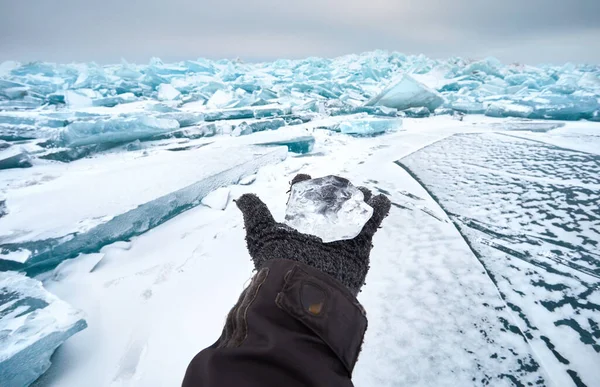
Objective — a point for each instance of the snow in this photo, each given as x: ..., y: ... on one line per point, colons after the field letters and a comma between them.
x: 485, y: 271
x: 430, y: 302
x: 328, y: 207
x: 217, y: 199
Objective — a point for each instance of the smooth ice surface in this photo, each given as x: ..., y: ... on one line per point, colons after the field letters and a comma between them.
x: 406, y: 93
x: 33, y: 323
x: 328, y: 207
x: 531, y: 213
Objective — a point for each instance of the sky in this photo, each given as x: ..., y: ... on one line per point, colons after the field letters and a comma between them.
x: 105, y: 31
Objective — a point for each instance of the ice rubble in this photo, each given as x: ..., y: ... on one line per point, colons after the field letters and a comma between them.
x: 120, y: 103
x: 126, y: 200
x: 33, y: 323
x: 328, y: 207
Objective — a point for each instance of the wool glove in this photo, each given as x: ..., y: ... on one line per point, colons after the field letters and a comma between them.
x: 347, y: 261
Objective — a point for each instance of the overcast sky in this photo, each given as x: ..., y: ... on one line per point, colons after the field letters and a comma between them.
x: 528, y: 31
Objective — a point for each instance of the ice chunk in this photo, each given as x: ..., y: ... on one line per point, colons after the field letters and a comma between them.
x: 228, y: 114
x: 302, y: 145
x: 530, y: 126
x: 14, y: 158
x: 555, y: 107
x: 370, y: 126
x: 76, y: 99
x: 370, y: 110
x: 247, y: 180
x: 329, y: 207
x: 266, y: 112
x: 166, y: 92
x: 221, y: 99
x: 406, y: 93
x: 130, y: 196
x: 468, y: 107
x: 421, y: 112
x: 115, y: 130
x: 217, y: 199
x: 508, y: 109
x: 258, y: 126
x: 33, y: 323
x: 114, y: 100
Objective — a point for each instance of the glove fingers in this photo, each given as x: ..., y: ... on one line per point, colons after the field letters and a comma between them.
x: 366, y: 192
x: 381, y: 207
x: 256, y: 213
x: 300, y: 177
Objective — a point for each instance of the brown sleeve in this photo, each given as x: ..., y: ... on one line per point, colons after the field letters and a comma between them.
x: 292, y: 326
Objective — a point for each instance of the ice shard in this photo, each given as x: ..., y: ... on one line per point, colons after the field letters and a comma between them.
x: 167, y: 92
x: 405, y: 93
x: 370, y: 126
x: 130, y: 195
x: 328, y: 207
x: 114, y: 130
x: 301, y: 145
x: 33, y: 323
x: 14, y: 158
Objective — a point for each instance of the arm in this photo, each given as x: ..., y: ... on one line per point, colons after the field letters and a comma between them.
x: 298, y: 323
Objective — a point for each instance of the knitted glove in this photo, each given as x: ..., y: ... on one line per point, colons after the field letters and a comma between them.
x: 347, y: 261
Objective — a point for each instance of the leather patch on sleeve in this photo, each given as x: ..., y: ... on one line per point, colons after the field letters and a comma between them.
x: 331, y: 314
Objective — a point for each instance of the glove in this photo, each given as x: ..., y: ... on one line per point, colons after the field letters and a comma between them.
x: 347, y: 261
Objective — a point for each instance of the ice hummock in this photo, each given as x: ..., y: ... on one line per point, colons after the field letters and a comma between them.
x: 405, y: 93
x: 33, y: 323
x: 329, y: 207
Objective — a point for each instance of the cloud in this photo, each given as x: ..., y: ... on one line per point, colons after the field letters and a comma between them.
x: 75, y: 30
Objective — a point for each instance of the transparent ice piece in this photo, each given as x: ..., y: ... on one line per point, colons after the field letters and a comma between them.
x: 329, y: 207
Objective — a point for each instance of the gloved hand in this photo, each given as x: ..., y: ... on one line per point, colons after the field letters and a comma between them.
x: 347, y: 260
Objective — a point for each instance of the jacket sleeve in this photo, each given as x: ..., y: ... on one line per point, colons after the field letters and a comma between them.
x: 292, y: 326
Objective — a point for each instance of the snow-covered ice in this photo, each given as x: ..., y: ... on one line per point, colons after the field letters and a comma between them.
x: 485, y: 272
x: 328, y: 207
x: 217, y: 199
x: 33, y: 323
